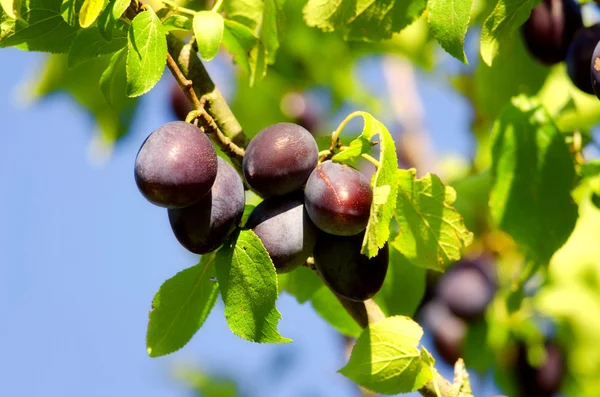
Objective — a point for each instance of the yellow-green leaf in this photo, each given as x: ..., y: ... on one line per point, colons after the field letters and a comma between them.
x: 431, y: 232
x: 208, y: 29
x: 386, y: 358
x: 90, y: 10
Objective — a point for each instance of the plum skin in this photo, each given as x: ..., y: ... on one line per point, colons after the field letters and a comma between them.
x: 286, y: 231
x: 203, y: 227
x: 579, y: 57
x: 338, y: 199
x: 550, y: 29
x: 595, y: 70
x: 544, y: 381
x: 345, y: 270
x: 176, y: 165
x: 467, y: 289
x: 279, y: 159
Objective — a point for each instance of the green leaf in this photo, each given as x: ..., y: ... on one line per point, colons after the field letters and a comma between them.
x: 69, y: 10
x: 556, y: 94
x: 109, y: 17
x: 248, y: 284
x: 449, y: 20
x: 431, y: 232
x: 11, y: 7
x: 477, y: 352
x: 507, y: 16
x: 386, y: 358
x: 532, y: 176
x: 177, y: 22
x: 269, y: 31
x: 258, y: 63
x: 327, y: 15
x: 263, y: 18
x: 239, y: 41
x: 363, y: 20
x: 384, y: 184
x: 328, y: 306
x: 119, y: 8
x: 180, y: 307
x: 90, y: 11
x: 146, y: 53
x: 357, y: 148
x: 41, y: 28
x: 114, y: 78
x: 403, y: 288
x: 590, y: 168
x: 90, y: 44
x: 208, y: 29
x: 514, y: 72
x: 301, y: 283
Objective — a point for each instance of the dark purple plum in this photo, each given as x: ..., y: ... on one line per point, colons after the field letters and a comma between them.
x: 345, y: 270
x: 579, y: 57
x: 176, y: 165
x: 447, y: 331
x: 204, y: 226
x: 180, y: 105
x: 544, y: 381
x: 550, y: 29
x: 467, y: 289
x: 280, y: 159
x: 595, y: 70
x: 285, y: 230
x: 302, y: 110
x: 338, y: 199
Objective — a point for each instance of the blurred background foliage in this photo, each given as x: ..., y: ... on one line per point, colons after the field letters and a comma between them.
x: 317, y: 79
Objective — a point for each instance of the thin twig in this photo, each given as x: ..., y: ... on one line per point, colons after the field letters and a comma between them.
x: 186, y: 85
x: 227, y: 145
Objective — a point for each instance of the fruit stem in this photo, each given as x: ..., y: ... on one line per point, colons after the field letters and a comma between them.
x: 336, y: 134
x: 176, y: 7
x: 217, y: 6
x: 371, y: 159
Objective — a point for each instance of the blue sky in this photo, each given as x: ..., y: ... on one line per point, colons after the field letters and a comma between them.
x: 82, y: 254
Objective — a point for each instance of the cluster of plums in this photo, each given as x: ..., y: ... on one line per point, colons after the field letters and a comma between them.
x: 555, y: 32
x: 309, y: 209
x: 459, y: 299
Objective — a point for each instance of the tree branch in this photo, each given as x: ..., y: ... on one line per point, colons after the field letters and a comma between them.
x: 209, y: 96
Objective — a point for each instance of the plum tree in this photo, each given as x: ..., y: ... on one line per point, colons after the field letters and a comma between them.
x: 204, y: 226
x: 176, y: 165
x: 280, y: 159
x: 285, y: 230
x: 543, y: 381
x: 550, y: 29
x: 579, y: 57
x: 338, y: 199
x: 467, y: 289
x: 345, y: 270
